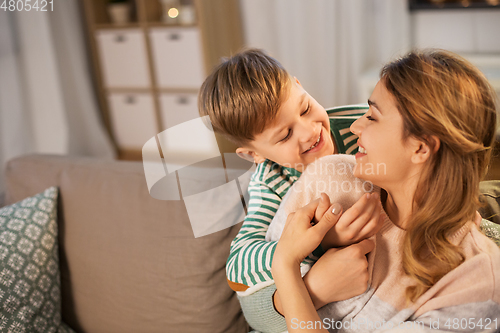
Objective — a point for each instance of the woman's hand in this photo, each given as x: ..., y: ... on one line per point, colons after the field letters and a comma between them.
x: 299, y: 237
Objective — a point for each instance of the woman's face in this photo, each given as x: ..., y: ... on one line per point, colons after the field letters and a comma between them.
x: 384, y: 158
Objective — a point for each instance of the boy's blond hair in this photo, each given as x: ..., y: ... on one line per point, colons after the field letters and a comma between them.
x: 243, y: 94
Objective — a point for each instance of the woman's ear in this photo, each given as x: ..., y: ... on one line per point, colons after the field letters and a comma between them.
x: 249, y: 155
x: 424, y: 149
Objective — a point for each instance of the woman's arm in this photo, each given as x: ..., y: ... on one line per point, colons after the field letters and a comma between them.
x: 298, y: 239
x: 299, y: 310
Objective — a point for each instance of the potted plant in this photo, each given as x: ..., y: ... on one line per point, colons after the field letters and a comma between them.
x: 119, y: 11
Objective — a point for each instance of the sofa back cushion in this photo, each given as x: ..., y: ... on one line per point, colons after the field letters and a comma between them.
x: 129, y: 263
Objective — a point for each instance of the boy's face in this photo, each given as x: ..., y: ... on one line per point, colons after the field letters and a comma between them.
x: 299, y: 135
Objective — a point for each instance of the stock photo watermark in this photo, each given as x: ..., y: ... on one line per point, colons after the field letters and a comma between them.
x: 27, y: 5
x: 410, y: 326
x: 184, y: 163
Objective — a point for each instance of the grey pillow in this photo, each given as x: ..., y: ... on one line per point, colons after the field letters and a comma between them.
x: 30, y: 288
x: 490, y: 191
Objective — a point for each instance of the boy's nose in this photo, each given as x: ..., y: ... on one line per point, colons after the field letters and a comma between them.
x: 309, y: 132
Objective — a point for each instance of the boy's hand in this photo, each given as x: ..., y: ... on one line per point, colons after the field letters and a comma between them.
x: 339, y: 274
x: 359, y: 222
x: 324, y: 204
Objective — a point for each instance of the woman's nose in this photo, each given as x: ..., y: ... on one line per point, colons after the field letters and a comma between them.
x: 357, y: 126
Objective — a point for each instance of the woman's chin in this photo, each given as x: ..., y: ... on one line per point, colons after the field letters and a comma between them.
x: 357, y: 172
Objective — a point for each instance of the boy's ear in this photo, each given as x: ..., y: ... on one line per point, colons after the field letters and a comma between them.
x: 249, y: 155
x: 423, y: 150
x: 297, y: 80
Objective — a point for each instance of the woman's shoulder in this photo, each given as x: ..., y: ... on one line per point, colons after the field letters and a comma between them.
x: 482, y: 258
x: 480, y: 240
x: 474, y: 282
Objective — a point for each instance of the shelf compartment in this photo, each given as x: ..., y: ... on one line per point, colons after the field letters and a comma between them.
x: 177, y: 57
x: 133, y: 119
x: 123, y: 58
x: 177, y: 108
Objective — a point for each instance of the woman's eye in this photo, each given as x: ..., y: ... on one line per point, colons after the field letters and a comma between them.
x: 306, y: 111
x: 287, y: 136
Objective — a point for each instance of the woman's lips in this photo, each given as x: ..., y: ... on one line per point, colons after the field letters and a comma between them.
x: 361, y: 151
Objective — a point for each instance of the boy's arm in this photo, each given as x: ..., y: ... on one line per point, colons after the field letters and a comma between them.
x: 250, y: 257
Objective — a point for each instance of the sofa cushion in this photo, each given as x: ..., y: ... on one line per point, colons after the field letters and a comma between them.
x: 491, y: 200
x: 129, y: 262
x: 30, y: 291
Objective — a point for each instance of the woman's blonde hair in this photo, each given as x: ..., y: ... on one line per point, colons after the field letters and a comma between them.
x: 443, y: 96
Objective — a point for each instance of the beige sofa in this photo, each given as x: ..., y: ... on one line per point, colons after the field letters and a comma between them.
x: 129, y: 263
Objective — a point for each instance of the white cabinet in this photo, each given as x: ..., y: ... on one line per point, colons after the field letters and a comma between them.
x: 133, y: 118
x: 149, y: 70
x: 177, y: 108
x: 177, y: 57
x: 123, y: 58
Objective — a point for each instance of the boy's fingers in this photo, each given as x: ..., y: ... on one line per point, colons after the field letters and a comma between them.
x: 324, y: 204
x: 375, y: 223
x: 365, y: 246
x: 354, y: 211
x: 360, y: 213
x: 307, y: 212
x: 369, y: 217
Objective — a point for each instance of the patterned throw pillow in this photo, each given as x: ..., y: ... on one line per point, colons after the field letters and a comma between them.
x: 492, y: 230
x: 30, y: 290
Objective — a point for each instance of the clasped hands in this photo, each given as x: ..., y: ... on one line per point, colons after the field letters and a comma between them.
x: 342, y: 272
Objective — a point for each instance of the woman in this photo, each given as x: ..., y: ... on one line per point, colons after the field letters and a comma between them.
x: 429, y: 267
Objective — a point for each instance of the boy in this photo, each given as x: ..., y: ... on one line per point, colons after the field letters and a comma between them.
x: 252, y: 100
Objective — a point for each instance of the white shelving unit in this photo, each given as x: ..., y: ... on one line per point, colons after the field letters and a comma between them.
x: 148, y: 71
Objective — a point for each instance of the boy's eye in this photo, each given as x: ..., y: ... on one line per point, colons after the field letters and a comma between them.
x: 306, y: 111
x: 287, y: 136
x: 370, y: 118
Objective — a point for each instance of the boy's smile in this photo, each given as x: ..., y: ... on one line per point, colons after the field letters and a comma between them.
x: 298, y: 136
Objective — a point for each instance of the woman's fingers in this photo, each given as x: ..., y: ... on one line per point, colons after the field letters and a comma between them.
x: 329, y: 219
x: 299, y: 238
